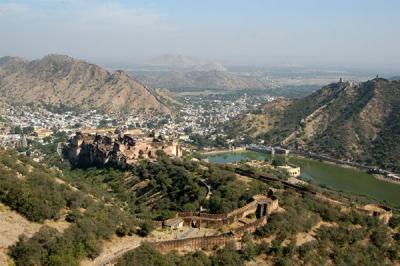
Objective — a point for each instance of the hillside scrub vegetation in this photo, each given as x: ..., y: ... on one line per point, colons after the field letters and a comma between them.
x: 33, y: 191
x: 100, y: 203
x: 159, y: 189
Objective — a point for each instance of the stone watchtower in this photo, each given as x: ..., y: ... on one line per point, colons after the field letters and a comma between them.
x: 262, y: 209
x: 23, y: 142
x: 176, y: 148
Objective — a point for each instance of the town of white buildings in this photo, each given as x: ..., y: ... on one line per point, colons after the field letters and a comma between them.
x: 198, y: 115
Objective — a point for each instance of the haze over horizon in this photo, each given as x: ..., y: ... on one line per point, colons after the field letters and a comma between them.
x: 360, y: 34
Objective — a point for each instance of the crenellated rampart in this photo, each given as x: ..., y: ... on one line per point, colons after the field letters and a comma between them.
x: 208, y: 220
x: 196, y: 243
x: 211, y: 242
x: 216, y: 220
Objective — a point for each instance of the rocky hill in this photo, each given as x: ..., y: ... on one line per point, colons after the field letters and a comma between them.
x: 59, y: 79
x: 213, y: 79
x: 359, y: 122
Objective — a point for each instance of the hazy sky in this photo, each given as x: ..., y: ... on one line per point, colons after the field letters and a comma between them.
x: 361, y: 33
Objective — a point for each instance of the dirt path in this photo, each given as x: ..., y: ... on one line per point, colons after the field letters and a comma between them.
x: 118, y: 246
x: 11, y: 226
x: 305, y: 237
x: 114, y: 249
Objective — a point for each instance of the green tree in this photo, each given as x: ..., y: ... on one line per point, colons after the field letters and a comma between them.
x: 146, y: 228
x: 227, y: 256
x: 279, y: 161
x: 16, y: 130
x: 28, y: 130
x: 146, y: 254
x: 249, y: 250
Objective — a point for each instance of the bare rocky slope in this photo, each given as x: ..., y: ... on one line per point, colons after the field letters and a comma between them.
x: 359, y: 122
x: 59, y: 79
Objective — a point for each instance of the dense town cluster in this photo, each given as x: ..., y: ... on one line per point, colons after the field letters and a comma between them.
x: 25, y: 116
x: 202, y: 114
x: 199, y: 115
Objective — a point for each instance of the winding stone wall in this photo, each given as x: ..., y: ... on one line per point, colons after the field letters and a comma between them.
x: 211, y: 242
x: 208, y: 220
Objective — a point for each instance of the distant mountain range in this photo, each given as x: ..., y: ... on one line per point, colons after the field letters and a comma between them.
x: 59, y: 79
x: 180, y: 72
x: 190, y: 74
x: 360, y: 122
x: 213, y: 79
x: 183, y: 62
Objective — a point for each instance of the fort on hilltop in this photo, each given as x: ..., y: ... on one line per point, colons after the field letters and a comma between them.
x: 85, y: 149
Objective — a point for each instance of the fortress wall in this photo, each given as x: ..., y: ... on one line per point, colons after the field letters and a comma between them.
x: 202, y: 215
x: 251, y: 227
x: 216, y: 220
x: 204, y: 222
x: 273, y: 206
x: 245, y: 209
x: 196, y: 243
x: 211, y: 242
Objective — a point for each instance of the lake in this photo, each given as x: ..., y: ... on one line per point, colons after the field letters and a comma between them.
x: 331, y: 175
